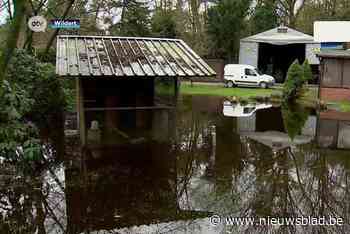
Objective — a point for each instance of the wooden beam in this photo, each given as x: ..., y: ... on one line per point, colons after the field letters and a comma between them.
x: 129, y: 108
x: 81, y: 111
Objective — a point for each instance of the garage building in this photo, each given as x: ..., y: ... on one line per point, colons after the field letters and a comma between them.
x: 274, y: 51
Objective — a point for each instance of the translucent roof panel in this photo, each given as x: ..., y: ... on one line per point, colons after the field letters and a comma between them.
x: 100, y: 56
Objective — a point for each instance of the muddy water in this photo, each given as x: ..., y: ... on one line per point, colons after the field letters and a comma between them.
x: 209, y: 157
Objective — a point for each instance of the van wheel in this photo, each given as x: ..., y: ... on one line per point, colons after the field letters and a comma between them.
x: 230, y: 84
x: 263, y: 85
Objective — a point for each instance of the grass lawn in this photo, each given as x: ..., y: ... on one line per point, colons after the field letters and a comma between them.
x: 343, y: 106
x: 216, y: 90
x: 309, y: 98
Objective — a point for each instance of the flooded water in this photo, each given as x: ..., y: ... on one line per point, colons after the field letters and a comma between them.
x: 209, y: 158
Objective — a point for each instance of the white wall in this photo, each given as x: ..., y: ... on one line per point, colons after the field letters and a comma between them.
x: 248, y: 53
x: 310, y: 53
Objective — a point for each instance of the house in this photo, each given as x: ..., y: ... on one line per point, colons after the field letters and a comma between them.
x: 116, y: 79
x: 274, y: 51
x: 335, y: 75
x: 333, y: 127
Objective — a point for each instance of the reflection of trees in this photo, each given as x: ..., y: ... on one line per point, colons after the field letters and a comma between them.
x: 207, y: 149
x: 250, y: 180
x: 300, y: 182
x: 324, y: 186
x: 32, y: 198
x: 194, y: 141
x: 294, y: 118
x: 295, y: 182
x: 229, y: 175
x: 30, y: 207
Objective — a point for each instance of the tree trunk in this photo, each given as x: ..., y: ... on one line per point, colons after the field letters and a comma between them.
x: 54, y: 34
x: 9, y: 9
x: 12, y: 37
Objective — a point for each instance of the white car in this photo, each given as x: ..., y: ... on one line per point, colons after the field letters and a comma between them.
x: 246, y: 75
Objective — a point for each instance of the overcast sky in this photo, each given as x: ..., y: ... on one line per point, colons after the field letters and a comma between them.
x: 2, y: 18
x: 3, y: 14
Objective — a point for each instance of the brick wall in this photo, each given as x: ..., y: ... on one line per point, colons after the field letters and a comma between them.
x: 335, y: 115
x: 334, y: 94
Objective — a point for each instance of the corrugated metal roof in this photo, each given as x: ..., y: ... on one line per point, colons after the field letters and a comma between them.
x: 80, y: 56
x: 277, y: 36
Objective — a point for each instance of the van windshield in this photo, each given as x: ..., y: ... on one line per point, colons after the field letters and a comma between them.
x: 259, y: 72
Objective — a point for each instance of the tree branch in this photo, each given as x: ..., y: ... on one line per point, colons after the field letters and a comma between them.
x: 53, y: 36
x: 12, y: 38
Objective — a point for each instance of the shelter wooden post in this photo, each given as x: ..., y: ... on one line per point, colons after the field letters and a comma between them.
x: 176, y: 90
x: 144, y: 96
x: 81, y: 111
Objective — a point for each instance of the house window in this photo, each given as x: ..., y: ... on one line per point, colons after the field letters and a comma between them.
x: 248, y: 110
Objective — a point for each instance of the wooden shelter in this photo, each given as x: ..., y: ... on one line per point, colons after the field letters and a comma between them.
x: 117, y: 76
x: 335, y: 75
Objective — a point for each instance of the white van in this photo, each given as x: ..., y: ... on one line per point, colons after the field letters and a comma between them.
x: 246, y: 75
x: 238, y: 110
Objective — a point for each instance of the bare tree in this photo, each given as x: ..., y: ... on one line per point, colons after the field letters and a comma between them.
x: 289, y: 10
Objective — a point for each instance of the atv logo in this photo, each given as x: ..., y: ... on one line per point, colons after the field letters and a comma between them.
x: 37, y: 24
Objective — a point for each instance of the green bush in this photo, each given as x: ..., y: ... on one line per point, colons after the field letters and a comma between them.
x: 40, y: 83
x: 163, y: 24
x: 307, y: 71
x: 31, y: 98
x: 18, y: 137
x: 297, y: 76
x: 294, y: 118
x: 46, y: 57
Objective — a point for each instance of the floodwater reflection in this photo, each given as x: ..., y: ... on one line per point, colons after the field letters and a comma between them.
x: 263, y: 165
x: 243, y: 110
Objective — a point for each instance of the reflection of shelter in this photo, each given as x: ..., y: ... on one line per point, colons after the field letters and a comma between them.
x: 266, y: 126
x: 275, y: 50
x: 271, y: 119
x: 333, y: 130
x: 335, y: 75
x: 117, y: 76
x: 124, y: 186
x: 277, y: 140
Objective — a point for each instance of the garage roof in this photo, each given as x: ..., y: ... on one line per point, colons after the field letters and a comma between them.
x: 280, y: 36
x: 94, y: 56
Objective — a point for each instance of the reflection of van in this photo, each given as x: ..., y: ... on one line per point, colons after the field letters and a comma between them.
x: 238, y: 110
x: 246, y: 75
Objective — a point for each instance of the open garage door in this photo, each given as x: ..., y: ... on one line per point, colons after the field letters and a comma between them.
x: 275, y: 59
